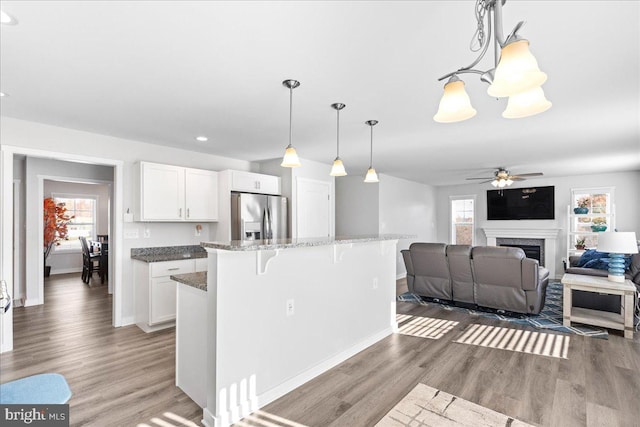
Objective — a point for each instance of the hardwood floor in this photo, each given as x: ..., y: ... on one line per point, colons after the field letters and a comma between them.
x: 124, y: 377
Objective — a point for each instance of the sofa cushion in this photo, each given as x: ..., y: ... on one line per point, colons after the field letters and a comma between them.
x: 431, y: 270
x: 459, y: 257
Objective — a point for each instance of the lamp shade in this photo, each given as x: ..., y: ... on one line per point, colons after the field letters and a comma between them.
x: 517, y: 71
x: 290, y: 159
x: 455, y: 105
x: 526, y: 104
x: 621, y: 242
x: 338, y: 168
x: 372, y: 176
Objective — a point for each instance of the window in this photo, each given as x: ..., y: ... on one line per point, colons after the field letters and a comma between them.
x: 462, y: 220
x: 83, y: 209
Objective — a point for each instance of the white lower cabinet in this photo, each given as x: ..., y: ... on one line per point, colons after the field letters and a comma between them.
x: 191, y: 343
x: 155, y: 292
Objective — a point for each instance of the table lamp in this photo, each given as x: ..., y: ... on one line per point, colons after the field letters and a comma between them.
x: 617, y: 244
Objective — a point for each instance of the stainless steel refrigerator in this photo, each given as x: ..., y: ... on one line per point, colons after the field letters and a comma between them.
x: 258, y: 217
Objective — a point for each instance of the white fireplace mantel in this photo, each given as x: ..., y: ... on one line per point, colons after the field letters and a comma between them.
x: 548, y: 234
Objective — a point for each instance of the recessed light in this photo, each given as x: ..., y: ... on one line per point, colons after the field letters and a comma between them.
x: 6, y: 19
x: 202, y: 138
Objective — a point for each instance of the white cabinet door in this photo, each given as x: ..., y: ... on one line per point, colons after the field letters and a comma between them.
x: 163, y: 300
x: 162, y: 192
x: 268, y: 184
x: 201, y: 195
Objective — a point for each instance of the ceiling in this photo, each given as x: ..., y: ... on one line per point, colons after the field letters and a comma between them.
x: 165, y: 72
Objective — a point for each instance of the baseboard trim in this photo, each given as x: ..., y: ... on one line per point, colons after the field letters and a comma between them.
x: 66, y: 270
x: 126, y: 321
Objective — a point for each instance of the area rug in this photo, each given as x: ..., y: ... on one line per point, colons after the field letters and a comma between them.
x: 549, y: 318
x: 425, y: 406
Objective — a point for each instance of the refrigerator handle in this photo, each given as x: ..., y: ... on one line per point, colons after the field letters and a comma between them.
x: 268, y: 230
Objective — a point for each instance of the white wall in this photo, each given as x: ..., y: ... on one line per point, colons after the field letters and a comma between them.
x: 357, y: 207
x: 406, y: 207
x: 627, y: 201
x: 68, y: 261
x: 393, y: 206
x: 33, y: 135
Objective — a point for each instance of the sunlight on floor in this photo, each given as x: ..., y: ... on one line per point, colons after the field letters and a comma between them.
x: 426, y: 327
x: 175, y: 421
x: 265, y: 419
x: 530, y: 342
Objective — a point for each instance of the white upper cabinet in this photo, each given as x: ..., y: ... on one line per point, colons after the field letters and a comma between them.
x: 201, y: 195
x: 255, y: 183
x: 172, y: 193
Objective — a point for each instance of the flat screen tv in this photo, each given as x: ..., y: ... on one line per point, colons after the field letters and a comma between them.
x: 521, y: 203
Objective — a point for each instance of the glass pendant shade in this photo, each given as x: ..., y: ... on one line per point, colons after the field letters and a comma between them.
x: 509, y: 182
x: 290, y: 159
x: 455, y: 105
x: 517, y: 71
x: 526, y: 104
x: 372, y: 176
x: 494, y: 182
x: 338, y: 168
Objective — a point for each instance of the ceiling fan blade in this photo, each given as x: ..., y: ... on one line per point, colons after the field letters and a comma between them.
x: 484, y: 182
x: 529, y: 174
x: 486, y: 177
x: 517, y: 178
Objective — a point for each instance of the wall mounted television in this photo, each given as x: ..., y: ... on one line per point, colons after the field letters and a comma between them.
x: 521, y: 203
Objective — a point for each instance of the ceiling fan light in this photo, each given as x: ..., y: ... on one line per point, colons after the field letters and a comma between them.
x: 526, y: 104
x: 502, y: 183
x: 371, y: 176
x: 338, y: 168
x: 509, y: 181
x: 290, y: 159
x: 494, y: 182
x: 517, y: 71
x: 455, y: 105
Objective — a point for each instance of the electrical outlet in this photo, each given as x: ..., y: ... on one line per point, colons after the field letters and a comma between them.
x: 131, y: 234
x: 375, y: 283
x: 147, y: 233
x: 290, y: 308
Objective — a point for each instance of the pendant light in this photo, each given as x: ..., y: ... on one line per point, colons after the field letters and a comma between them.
x: 455, y: 105
x: 372, y: 176
x: 338, y: 167
x: 290, y: 159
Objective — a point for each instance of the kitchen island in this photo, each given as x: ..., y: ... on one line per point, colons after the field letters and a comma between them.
x: 280, y: 312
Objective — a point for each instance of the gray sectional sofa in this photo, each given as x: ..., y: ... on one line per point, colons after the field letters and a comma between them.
x: 495, y: 277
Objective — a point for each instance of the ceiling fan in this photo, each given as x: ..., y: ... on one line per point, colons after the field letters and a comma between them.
x: 502, y: 178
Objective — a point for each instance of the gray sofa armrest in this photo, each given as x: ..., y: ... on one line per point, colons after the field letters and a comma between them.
x: 573, y: 260
x: 530, y: 276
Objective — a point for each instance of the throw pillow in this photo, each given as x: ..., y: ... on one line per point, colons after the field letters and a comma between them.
x: 589, y: 255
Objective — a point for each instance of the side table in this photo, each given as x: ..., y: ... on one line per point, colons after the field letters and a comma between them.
x: 622, y: 321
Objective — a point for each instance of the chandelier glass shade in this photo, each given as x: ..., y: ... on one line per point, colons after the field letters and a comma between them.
x: 455, y: 104
x: 515, y: 74
x: 290, y: 159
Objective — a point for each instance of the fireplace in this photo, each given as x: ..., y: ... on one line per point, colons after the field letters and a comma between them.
x: 545, y: 239
x: 530, y: 251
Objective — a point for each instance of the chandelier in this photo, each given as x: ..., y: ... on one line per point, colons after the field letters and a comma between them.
x: 515, y: 74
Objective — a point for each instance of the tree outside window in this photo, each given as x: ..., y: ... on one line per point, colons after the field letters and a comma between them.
x: 83, y: 209
x: 462, y: 220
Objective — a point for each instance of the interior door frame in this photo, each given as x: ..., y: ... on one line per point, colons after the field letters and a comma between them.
x: 7, y: 153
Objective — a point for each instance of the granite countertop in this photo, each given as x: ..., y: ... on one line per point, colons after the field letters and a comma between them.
x: 197, y: 280
x: 168, y: 253
x: 259, y: 245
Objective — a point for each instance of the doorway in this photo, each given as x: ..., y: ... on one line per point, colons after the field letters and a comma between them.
x: 7, y: 154
x: 313, y: 207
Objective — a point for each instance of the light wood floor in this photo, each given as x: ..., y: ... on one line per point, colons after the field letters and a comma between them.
x: 123, y: 377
